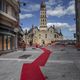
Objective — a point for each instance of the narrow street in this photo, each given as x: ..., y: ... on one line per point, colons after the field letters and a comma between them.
x: 63, y: 63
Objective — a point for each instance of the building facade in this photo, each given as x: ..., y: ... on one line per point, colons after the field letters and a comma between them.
x: 43, y: 35
x: 37, y: 36
x: 9, y: 24
x: 77, y: 9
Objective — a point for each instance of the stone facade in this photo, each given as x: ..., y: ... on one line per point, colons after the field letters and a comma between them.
x: 9, y: 23
x: 37, y: 36
x: 77, y: 8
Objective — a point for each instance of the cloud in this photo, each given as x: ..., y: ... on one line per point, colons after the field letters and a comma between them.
x: 54, y: 8
x: 71, y: 9
x: 36, y: 7
x: 31, y: 8
x: 73, y: 28
x: 23, y: 16
x: 60, y: 10
x: 59, y: 25
x: 25, y: 10
x: 26, y: 28
x: 54, y: 2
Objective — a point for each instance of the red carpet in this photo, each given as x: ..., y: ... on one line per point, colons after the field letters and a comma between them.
x: 42, y: 59
x: 32, y: 71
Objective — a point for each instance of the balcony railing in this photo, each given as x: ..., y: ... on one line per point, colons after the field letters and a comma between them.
x: 7, y: 15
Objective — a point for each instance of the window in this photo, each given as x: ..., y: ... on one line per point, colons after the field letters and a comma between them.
x: 9, y: 42
x: 3, y: 6
x: 5, y: 41
x: 39, y: 36
x: 55, y: 36
x: 6, y: 8
x: 9, y: 10
x: 14, y: 13
x: 0, y: 42
x: 45, y: 35
x: 12, y: 42
x: 51, y: 31
x: 0, y: 5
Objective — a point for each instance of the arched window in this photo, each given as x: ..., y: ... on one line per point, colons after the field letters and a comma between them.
x: 45, y: 35
x: 39, y: 36
x: 55, y: 36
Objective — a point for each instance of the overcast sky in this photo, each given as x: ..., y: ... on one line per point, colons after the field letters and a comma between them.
x: 60, y: 13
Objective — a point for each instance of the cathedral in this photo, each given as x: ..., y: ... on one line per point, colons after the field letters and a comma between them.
x: 43, y: 34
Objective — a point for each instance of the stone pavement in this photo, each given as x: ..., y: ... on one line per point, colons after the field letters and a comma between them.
x: 31, y: 54
x: 63, y: 64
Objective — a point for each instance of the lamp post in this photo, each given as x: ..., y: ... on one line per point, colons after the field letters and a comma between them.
x: 16, y: 30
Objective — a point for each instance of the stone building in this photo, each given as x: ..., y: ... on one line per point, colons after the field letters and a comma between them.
x: 9, y: 25
x: 77, y: 9
x: 43, y: 34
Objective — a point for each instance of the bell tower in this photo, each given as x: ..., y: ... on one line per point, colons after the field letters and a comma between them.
x: 43, y: 21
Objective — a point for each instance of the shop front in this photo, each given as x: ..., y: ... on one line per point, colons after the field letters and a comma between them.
x: 7, y: 40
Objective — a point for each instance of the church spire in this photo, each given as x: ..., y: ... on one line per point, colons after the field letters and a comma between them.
x: 61, y: 33
x: 43, y: 21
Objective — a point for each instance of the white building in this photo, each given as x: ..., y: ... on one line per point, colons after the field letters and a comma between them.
x: 43, y: 35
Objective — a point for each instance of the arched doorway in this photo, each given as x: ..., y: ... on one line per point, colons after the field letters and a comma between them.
x: 43, y: 42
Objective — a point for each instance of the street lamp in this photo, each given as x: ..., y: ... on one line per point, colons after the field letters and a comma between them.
x: 16, y: 30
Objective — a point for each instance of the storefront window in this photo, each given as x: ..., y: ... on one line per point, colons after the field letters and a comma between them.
x: 0, y: 5
x: 5, y: 41
x: 13, y: 42
x: 0, y: 42
x: 9, y: 42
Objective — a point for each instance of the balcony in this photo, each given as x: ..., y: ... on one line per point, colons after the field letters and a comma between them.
x: 5, y: 15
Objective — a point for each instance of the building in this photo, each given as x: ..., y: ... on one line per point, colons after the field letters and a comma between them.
x: 9, y: 25
x: 43, y: 20
x: 20, y: 38
x: 43, y: 35
x: 77, y: 9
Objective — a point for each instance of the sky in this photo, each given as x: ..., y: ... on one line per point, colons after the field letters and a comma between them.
x: 60, y: 13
